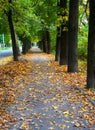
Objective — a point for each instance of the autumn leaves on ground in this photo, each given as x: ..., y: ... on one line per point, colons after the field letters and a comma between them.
x: 38, y: 94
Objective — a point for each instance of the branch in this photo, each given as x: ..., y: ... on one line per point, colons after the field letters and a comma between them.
x: 85, y: 12
x: 27, y: 19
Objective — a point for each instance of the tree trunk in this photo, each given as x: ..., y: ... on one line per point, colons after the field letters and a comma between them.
x: 57, y: 55
x: 13, y: 37
x: 58, y: 36
x: 91, y: 48
x: 64, y: 48
x: 64, y: 33
x: 44, y: 43
x: 48, y: 42
x: 17, y: 44
x: 26, y: 45
x: 72, y: 36
x: 40, y: 45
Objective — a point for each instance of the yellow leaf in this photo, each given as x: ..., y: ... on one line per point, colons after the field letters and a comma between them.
x: 66, y: 113
x: 62, y: 126
x: 25, y: 126
x: 77, y: 124
x: 50, y: 77
x: 55, y: 107
x: 21, y: 109
x: 83, y: 109
x: 1, y: 93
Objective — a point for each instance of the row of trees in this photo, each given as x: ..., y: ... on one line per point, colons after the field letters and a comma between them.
x: 42, y: 20
x: 67, y: 38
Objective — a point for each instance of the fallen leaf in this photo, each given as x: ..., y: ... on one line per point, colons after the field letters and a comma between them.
x: 66, y: 113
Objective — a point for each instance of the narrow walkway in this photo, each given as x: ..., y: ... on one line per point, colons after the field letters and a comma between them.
x: 44, y: 102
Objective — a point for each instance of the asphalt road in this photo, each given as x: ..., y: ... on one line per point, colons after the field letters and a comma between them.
x: 5, y: 53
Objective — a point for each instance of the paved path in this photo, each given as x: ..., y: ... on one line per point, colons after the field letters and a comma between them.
x: 44, y: 102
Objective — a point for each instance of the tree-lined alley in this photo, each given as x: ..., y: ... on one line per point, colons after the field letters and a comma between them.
x: 49, y: 84
x: 42, y: 20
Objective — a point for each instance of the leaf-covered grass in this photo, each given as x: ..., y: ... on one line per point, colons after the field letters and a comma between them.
x: 11, y: 74
x: 5, y: 60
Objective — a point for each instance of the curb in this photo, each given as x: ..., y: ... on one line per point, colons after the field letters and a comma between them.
x: 92, y: 101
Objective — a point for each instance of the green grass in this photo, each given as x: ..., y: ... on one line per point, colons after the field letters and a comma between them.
x: 5, y: 48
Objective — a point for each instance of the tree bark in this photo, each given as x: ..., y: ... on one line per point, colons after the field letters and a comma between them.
x: 48, y: 41
x: 40, y: 45
x: 91, y: 48
x: 17, y: 44
x: 44, y: 47
x: 13, y: 37
x: 26, y: 45
x: 64, y: 48
x: 58, y: 38
x: 72, y: 36
x: 64, y: 33
x: 44, y: 43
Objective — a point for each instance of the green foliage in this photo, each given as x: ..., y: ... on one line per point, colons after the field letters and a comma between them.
x: 83, y: 29
x: 53, y: 39
x: 6, y: 38
x: 31, y: 17
x: 4, y: 4
x: 5, y: 48
x: 82, y: 41
x: 3, y: 23
x: 62, y: 18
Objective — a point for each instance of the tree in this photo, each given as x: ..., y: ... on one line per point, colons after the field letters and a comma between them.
x: 12, y: 31
x: 6, y: 8
x: 58, y: 39
x: 26, y: 45
x: 47, y: 41
x: 45, y: 11
x: 23, y: 23
x: 58, y: 35
x: 91, y: 47
x: 64, y: 33
x: 72, y: 36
